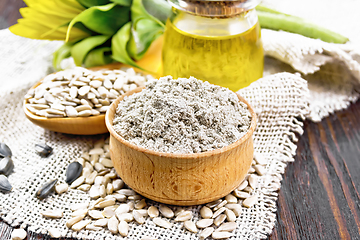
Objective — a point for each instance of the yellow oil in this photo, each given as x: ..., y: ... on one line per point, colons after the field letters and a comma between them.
x: 232, y: 61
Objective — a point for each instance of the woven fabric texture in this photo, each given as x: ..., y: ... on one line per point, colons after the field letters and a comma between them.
x: 332, y: 70
x: 280, y: 101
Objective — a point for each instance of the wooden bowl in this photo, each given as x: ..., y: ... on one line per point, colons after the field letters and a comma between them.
x: 181, y: 179
x: 78, y: 125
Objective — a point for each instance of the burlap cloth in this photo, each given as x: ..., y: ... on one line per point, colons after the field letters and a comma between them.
x: 282, y: 101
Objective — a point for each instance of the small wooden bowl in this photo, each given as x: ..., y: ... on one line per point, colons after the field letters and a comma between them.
x: 79, y: 125
x: 180, y: 179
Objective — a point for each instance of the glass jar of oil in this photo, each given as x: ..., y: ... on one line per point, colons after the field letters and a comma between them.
x: 215, y: 41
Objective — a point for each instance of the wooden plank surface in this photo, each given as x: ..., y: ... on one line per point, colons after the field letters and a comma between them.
x: 319, y: 196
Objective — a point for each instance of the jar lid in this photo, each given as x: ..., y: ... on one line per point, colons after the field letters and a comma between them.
x: 214, y: 8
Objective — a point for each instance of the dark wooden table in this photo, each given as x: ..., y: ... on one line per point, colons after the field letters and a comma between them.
x: 319, y: 196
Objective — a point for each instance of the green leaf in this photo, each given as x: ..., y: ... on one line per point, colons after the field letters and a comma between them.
x: 90, y: 3
x: 104, y: 20
x: 138, y: 11
x: 61, y: 53
x: 119, y: 44
x: 82, y: 48
x: 160, y: 9
x: 122, y: 2
x: 144, y: 32
x: 98, y: 57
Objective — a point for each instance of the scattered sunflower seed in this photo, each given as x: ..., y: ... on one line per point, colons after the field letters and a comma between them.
x: 43, y: 150
x: 6, y: 165
x: 206, y: 232
x: 18, y: 234
x: 189, y: 225
x: 5, y: 151
x: 73, y: 171
x: 46, y: 189
x: 54, y: 232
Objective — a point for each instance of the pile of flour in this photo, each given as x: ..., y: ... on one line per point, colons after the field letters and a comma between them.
x: 182, y: 116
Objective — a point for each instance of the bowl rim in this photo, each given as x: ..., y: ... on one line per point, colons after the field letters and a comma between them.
x: 113, y: 133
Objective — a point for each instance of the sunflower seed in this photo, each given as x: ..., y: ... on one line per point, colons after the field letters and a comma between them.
x: 206, y: 233
x: 227, y: 226
x: 77, y: 182
x: 118, y: 184
x: 140, y: 204
x: 123, y: 228
x: 99, y: 167
x: 18, y: 234
x: 74, y: 220
x: 109, y: 188
x: 190, y: 226
x: 127, y: 192
x: 6, y: 165
x: 80, y: 225
x: 213, y: 203
x: 260, y: 158
x: 46, y: 189
x: 119, y: 197
x: 96, y: 151
x: 106, y: 162
x: 108, y: 212
x: 251, y: 201
x: 43, y: 149
x: 219, y: 219
x: 79, y: 212
x: 94, y: 192
x: 92, y: 227
x: 220, y: 205
x: 253, y: 181
x: 84, y: 187
x: 230, y: 215
x: 123, y: 208
x: 128, y: 217
x: 218, y: 212
x: 73, y: 171
x: 203, y: 223
x: 166, y: 211
x: 162, y: 222
x: 260, y: 170
x: 57, y: 213
x: 242, y: 185
x: 61, y: 188
x: 102, y: 191
x: 5, y: 151
x: 221, y: 235
x: 236, y: 208
x: 96, y: 214
x: 113, y: 225
x: 135, y: 197
x: 78, y: 206
x: 241, y: 194
x: 54, y: 232
x: 153, y: 212
x: 206, y: 212
x: 105, y: 203
x: 101, y: 222
x: 184, y: 216
x: 231, y: 198
x: 138, y: 217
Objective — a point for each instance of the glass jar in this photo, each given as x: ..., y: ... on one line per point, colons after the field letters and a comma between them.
x: 215, y: 41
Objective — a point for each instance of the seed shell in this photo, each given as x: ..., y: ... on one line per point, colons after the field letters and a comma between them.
x: 5, y: 151
x: 5, y: 185
x: 6, y: 165
x: 73, y: 171
x: 46, y: 189
x: 43, y: 150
